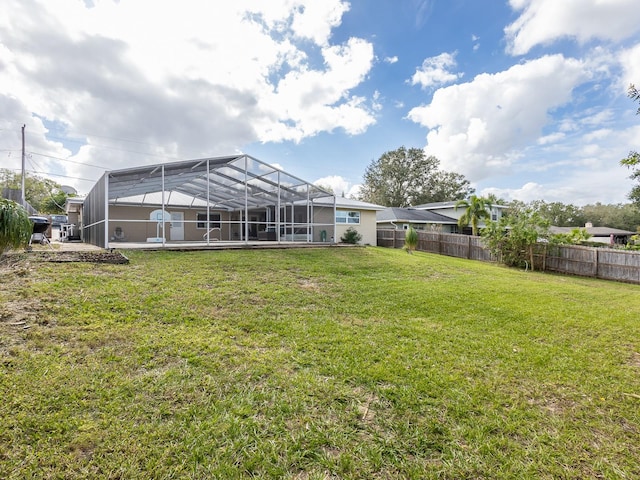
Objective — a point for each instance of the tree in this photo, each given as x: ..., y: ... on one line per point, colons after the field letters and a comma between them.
x: 405, y: 177
x: 633, y: 159
x: 575, y: 237
x: 633, y: 162
x: 634, y: 95
x: 559, y: 214
x: 513, y: 238
x: 411, y: 239
x: 15, y: 226
x: 622, y: 216
x: 45, y: 195
x: 476, y: 208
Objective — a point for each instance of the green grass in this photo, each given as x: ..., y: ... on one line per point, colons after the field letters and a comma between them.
x: 315, y: 363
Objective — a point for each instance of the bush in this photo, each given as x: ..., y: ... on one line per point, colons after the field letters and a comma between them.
x: 351, y: 236
x: 512, y: 240
x: 411, y: 239
x: 15, y: 226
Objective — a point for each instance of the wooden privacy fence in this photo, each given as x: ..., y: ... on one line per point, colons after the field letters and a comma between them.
x: 605, y: 263
x: 451, y: 244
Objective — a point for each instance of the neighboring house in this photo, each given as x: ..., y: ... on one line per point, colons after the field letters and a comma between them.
x: 358, y: 215
x: 448, y: 209
x: 400, y: 218
x: 232, y: 199
x: 605, y: 235
x: 73, y: 209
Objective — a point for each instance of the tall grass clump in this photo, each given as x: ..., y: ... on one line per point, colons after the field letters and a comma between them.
x: 15, y: 226
x: 411, y: 239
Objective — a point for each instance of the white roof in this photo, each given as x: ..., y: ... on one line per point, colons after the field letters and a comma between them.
x: 344, y: 202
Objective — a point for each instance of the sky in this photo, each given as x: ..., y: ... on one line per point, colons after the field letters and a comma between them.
x: 525, y: 98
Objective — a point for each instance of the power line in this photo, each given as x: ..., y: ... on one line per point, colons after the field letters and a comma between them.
x: 78, y: 134
x: 116, y: 148
x: 63, y: 176
x: 66, y: 160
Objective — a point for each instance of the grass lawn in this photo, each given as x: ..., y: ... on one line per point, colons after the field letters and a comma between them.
x: 315, y: 363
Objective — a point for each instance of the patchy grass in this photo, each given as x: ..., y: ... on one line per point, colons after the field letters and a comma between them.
x: 313, y: 364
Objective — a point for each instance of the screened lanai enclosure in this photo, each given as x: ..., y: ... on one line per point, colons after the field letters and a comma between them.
x: 224, y: 199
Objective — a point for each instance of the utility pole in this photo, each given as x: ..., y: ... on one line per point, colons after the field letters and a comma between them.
x: 23, y: 197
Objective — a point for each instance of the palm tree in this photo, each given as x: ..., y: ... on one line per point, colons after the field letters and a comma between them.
x: 476, y: 208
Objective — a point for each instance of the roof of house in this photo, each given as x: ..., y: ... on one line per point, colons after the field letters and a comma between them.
x: 411, y: 215
x: 344, y: 202
x: 449, y: 204
x: 594, y: 231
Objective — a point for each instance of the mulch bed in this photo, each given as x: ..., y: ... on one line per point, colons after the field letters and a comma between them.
x: 113, y: 257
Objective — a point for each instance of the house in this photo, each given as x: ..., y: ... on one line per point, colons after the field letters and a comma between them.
x: 449, y: 209
x: 351, y: 213
x: 604, y: 235
x: 223, y: 199
x: 400, y: 218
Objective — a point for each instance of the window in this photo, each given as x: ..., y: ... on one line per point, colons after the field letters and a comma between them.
x: 352, y: 218
x: 214, y: 220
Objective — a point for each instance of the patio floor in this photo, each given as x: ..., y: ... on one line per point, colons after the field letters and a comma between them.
x: 83, y: 247
x: 215, y: 245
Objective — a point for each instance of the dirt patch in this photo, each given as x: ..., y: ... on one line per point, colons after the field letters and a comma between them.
x: 114, y: 257
x: 634, y: 361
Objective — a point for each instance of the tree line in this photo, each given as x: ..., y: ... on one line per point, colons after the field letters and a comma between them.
x: 408, y: 177
x: 43, y: 194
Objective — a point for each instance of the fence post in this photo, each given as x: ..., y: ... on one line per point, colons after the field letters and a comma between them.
x: 469, y: 248
x: 596, y: 261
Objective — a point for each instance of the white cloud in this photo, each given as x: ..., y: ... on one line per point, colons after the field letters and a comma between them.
x: 542, y: 22
x: 314, y: 20
x: 309, y: 101
x: 609, y: 186
x: 586, y: 171
x: 391, y: 60
x: 436, y: 71
x: 476, y: 42
x: 478, y: 128
x: 196, y: 80
x: 338, y: 184
x: 551, y: 138
x: 630, y: 62
x: 354, y: 191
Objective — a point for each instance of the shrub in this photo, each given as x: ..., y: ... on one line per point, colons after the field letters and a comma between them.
x: 351, y: 236
x: 15, y: 226
x: 411, y: 239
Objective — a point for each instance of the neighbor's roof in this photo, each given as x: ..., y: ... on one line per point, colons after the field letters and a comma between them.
x: 411, y: 215
x: 593, y: 231
x: 449, y: 204
x: 229, y: 183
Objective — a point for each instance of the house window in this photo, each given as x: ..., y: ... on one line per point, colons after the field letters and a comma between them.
x: 214, y: 220
x: 352, y: 218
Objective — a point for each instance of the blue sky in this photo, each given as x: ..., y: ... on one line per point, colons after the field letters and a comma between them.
x: 526, y: 98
